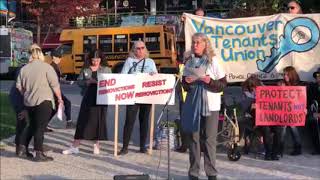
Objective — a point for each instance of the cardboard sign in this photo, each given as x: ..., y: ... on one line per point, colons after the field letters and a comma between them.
x: 126, y: 89
x: 281, y: 105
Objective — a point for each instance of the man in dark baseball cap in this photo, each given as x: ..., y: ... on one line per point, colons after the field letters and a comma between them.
x: 316, y: 74
x: 56, y: 54
x: 56, y: 59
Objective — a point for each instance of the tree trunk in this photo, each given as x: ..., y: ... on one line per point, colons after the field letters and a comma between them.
x: 47, y: 34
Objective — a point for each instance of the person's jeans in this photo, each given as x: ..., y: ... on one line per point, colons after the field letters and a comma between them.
x: 294, y: 134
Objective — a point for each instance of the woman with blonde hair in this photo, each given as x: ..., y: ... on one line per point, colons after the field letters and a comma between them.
x: 137, y: 62
x: 38, y: 83
x: 204, y: 80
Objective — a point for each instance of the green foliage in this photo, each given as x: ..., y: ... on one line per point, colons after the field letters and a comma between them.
x: 247, y: 8
x: 170, y: 124
x: 7, y: 117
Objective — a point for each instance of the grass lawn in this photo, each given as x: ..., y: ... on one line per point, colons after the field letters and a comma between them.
x: 7, y: 117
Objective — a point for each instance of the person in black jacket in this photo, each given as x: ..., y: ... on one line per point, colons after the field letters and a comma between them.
x: 270, y: 134
x: 314, y: 112
x: 16, y: 100
x: 56, y: 59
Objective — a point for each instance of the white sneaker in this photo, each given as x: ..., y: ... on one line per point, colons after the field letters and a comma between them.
x: 96, y: 150
x: 71, y: 150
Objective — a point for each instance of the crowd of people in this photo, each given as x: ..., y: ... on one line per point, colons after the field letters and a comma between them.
x: 36, y: 97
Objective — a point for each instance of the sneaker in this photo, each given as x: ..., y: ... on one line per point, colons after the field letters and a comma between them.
x: 71, y: 150
x: 96, y: 149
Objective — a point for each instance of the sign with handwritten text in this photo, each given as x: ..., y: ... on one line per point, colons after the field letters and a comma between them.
x: 281, y: 105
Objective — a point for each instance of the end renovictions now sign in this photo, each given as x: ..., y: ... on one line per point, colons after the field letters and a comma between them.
x: 126, y: 89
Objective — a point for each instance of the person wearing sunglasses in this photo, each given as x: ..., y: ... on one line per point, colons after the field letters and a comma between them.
x: 137, y: 62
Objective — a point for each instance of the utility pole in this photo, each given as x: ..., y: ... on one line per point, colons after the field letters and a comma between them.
x: 153, y: 7
x: 115, y: 11
x: 195, y: 4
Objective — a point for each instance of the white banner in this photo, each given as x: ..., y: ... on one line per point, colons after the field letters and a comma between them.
x: 126, y: 89
x: 261, y: 45
x: 155, y: 89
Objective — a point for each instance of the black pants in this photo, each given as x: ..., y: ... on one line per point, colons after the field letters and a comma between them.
x: 131, y: 113
x: 39, y: 119
x: 314, y: 130
x: 67, y: 107
x: 20, y: 127
x: 271, y: 140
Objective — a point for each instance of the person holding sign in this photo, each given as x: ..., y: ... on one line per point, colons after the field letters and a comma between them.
x: 270, y: 134
x: 291, y: 78
x: 204, y: 80
x: 91, y: 124
x: 137, y: 62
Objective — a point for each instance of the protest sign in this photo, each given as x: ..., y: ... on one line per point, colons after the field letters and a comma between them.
x: 280, y: 105
x: 126, y: 89
x: 261, y: 45
x: 154, y: 89
x: 115, y: 89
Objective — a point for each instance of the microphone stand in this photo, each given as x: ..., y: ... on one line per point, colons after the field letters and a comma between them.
x: 168, y: 130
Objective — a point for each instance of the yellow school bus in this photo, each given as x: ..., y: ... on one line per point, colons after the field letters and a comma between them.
x: 115, y: 43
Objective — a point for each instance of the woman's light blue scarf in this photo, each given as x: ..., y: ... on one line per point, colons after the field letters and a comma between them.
x: 196, y: 104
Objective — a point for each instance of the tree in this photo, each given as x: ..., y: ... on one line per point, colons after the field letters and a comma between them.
x: 247, y: 8
x: 58, y: 12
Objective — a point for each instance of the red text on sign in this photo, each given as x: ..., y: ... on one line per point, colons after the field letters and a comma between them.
x: 154, y: 83
x: 107, y: 82
x: 123, y: 96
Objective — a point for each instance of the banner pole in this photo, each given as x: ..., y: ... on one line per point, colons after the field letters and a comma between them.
x: 116, y: 119
x: 151, y: 128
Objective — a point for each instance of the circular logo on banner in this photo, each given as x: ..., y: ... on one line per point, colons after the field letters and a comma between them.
x: 125, y: 3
